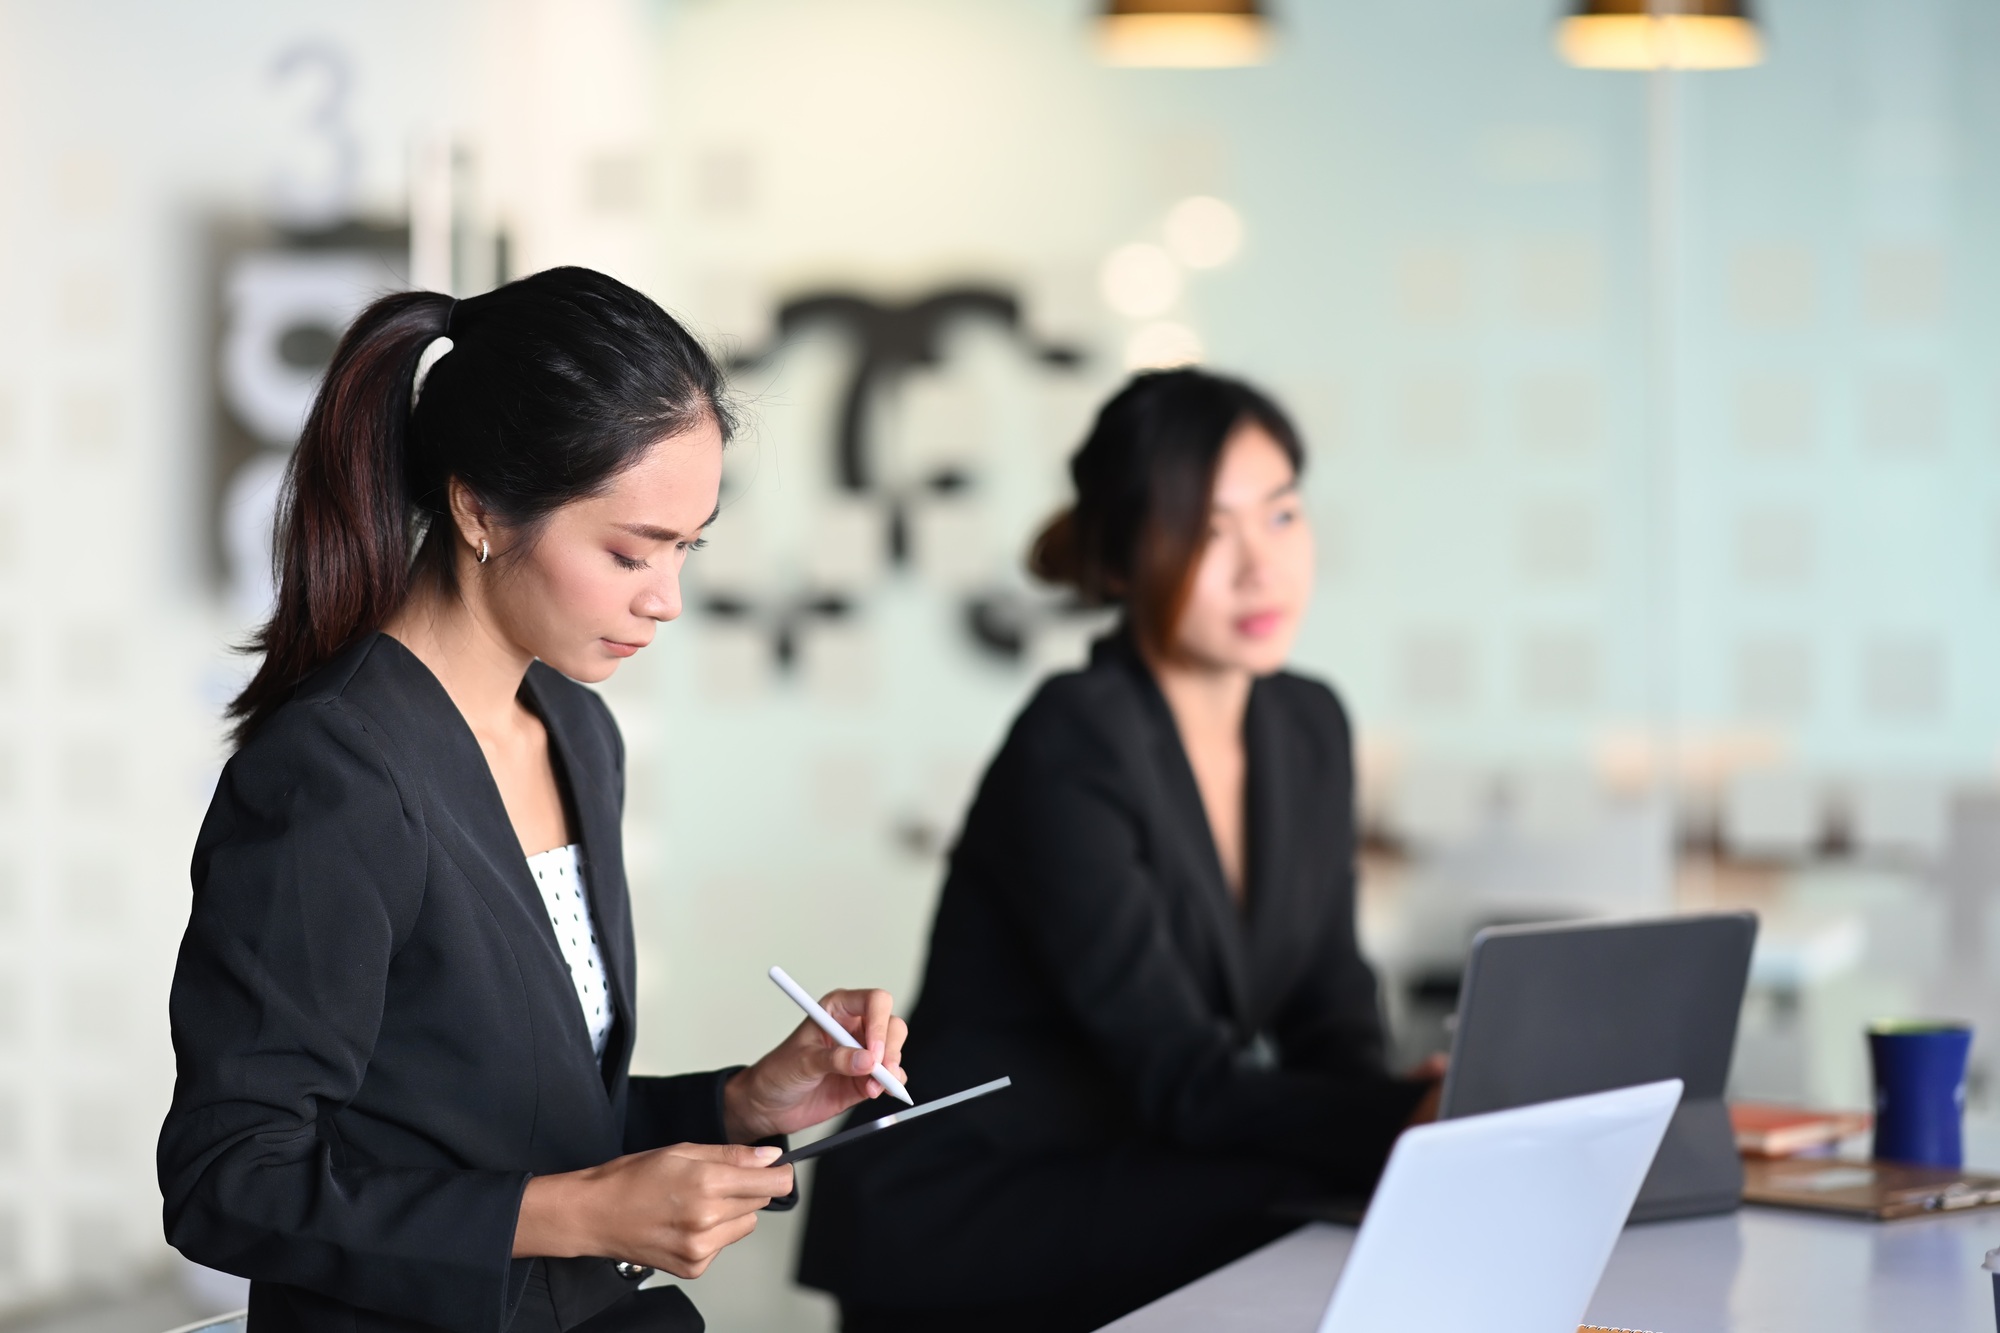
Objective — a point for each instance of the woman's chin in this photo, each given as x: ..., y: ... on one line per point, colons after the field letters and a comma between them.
x: 1254, y: 657
x: 1267, y: 662
x: 587, y: 668
x: 1262, y: 655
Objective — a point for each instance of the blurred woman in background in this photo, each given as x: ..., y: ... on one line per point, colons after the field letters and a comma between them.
x: 1148, y: 922
x: 403, y: 1010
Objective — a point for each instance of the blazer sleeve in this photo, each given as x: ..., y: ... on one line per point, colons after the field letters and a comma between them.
x: 683, y: 1108
x: 1080, y: 890
x: 308, y: 875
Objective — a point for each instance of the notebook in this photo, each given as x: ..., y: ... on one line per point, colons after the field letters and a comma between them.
x: 1882, y: 1191
x: 1771, y: 1129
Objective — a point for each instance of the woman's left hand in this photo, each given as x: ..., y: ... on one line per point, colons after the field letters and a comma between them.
x: 809, y: 1077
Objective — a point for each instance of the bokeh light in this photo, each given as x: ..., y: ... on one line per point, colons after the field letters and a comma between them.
x: 1161, y: 346
x: 1204, y: 232
x: 1140, y: 281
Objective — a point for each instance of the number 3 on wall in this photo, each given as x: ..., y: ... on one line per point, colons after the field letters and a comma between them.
x: 312, y: 181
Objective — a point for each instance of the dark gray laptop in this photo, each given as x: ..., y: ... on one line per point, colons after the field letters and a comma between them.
x: 1563, y: 1010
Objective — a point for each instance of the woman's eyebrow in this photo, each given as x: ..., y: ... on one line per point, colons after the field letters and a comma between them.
x: 654, y: 534
x: 1289, y: 488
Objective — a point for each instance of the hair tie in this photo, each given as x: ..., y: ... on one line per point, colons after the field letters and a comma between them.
x: 433, y: 352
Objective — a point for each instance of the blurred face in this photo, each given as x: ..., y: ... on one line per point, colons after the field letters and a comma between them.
x: 1253, y: 578
x: 605, y: 572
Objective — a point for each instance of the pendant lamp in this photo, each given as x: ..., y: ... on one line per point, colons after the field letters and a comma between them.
x: 1183, y: 34
x: 1661, y: 34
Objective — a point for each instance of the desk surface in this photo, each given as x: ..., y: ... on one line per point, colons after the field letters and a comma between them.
x: 1760, y: 1270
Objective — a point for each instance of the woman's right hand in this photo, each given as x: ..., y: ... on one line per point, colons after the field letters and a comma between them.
x: 672, y: 1208
x: 1432, y: 1070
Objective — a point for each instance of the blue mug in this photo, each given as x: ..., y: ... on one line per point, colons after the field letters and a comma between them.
x: 1919, y: 1091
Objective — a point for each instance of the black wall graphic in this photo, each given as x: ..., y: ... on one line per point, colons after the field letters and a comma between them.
x: 890, y: 340
x: 785, y: 619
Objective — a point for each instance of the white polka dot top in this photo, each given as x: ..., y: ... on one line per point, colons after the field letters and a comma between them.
x: 560, y: 879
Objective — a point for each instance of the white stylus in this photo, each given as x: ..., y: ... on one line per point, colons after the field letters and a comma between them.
x: 832, y: 1028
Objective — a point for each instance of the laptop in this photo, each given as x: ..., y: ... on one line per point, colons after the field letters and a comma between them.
x: 1501, y: 1223
x: 1561, y: 1010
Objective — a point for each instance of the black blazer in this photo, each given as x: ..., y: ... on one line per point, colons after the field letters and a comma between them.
x: 1086, y: 944
x: 377, y: 1038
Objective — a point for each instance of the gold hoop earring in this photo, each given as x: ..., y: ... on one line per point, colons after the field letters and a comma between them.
x: 482, y: 550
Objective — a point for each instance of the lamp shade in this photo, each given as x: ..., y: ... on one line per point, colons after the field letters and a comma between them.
x: 1662, y: 34
x: 1184, y: 34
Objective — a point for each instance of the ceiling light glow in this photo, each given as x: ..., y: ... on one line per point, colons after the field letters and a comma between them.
x: 1183, y: 34
x: 1661, y: 34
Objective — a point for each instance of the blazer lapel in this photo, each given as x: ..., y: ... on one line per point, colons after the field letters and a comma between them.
x: 481, y: 838
x: 1187, y: 827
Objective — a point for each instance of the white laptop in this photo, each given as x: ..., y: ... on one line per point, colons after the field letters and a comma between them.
x: 1501, y: 1223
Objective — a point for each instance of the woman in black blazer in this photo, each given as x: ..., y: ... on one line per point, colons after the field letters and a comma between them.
x: 403, y: 1011
x: 1148, y: 923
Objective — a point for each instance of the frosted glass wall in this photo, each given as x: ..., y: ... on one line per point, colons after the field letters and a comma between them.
x: 1444, y: 269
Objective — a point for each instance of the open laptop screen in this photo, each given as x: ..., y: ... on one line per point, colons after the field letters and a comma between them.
x: 1563, y: 1010
x: 1500, y: 1223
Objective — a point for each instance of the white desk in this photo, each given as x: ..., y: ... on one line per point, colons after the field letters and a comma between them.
x: 1756, y: 1271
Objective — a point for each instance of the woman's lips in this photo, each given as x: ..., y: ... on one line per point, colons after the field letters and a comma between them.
x: 1261, y: 625
x: 617, y: 649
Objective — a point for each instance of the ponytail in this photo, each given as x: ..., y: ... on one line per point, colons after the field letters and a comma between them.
x: 552, y: 386
x: 343, y: 541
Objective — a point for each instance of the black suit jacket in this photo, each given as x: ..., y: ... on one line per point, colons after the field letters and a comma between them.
x: 1086, y: 945
x: 377, y: 1038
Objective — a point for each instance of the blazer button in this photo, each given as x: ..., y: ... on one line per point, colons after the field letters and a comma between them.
x: 633, y: 1272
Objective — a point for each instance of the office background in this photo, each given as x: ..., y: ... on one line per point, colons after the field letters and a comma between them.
x: 1655, y: 446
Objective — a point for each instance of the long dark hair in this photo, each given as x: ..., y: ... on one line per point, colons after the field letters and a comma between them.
x: 1145, y: 478
x: 553, y: 385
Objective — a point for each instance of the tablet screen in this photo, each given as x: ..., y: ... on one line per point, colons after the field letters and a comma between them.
x: 902, y: 1117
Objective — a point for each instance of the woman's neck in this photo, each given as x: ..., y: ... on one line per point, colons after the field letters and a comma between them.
x: 1206, y: 701
x: 478, y: 667
x: 1208, y: 704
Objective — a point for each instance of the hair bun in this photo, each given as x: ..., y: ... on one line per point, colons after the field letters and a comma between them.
x: 1055, y: 556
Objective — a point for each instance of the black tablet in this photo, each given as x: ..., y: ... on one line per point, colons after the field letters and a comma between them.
x: 1562, y: 1010
x: 902, y: 1117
